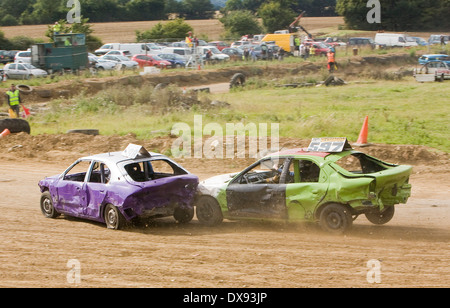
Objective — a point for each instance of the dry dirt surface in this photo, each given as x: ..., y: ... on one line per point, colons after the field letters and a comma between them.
x: 125, y: 32
x: 412, y: 250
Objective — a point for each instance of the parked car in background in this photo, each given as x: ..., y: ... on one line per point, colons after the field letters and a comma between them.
x: 151, y: 60
x: 433, y: 71
x: 23, y: 71
x: 361, y: 42
x: 321, y: 49
x: 7, y: 56
x: 234, y: 53
x: 124, y: 53
x: 420, y: 41
x: 117, y: 187
x: 122, y: 61
x: 219, y: 45
x: 395, y: 40
x: 186, y: 53
x: 240, y: 43
x: 101, y: 64
x: 23, y: 57
x: 133, y: 48
x: 434, y: 57
x: 176, y: 60
x: 328, y: 182
x: 437, y: 39
x: 216, y: 55
x: 263, y: 52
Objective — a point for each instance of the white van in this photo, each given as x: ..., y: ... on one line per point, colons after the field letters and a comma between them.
x: 394, y: 40
x: 133, y: 48
x: 182, y: 51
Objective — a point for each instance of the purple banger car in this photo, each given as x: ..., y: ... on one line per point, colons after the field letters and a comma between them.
x: 117, y: 187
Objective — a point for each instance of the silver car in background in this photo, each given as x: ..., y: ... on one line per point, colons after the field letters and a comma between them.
x: 23, y: 71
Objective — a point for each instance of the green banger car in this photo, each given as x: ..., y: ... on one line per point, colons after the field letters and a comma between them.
x: 329, y: 182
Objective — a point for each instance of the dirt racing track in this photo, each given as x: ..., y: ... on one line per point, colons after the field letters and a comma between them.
x: 412, y: 250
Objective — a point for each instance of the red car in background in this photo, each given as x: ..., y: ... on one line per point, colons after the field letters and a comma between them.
x: 219, y: 45
x: 321, y: 49
x: 151, y: 60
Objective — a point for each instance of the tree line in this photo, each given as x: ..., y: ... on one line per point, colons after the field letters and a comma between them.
x: 26, y: 12
x: 399, y: 15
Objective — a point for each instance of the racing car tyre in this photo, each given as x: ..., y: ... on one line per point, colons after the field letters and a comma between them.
x: 378, y: 218
x: 335, y: 218
x: 183, y: 215
x: 114, y: 218
x: 15, y: 125
x: 238, y: 80
x: 208, y: 211
x: 47, y: 207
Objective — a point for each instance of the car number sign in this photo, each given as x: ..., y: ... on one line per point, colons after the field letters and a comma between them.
x: 329, y: 144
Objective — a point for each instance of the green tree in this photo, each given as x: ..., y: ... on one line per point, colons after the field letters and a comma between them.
x: 197, y: 9
x: 401, y: 15
x: 238, y: 23
x: 145, y: 9
x: 48, y: 11
x: 176, y: 29
x: 277, y: 15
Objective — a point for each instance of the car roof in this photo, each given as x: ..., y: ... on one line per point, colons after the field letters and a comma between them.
x: 299, y: 151
x: 116, y: 157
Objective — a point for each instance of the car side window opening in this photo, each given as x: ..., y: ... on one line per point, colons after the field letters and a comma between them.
x: 100, y: 173
x: 152, y: 170
x: 360, y: 163
x: 266, y: 171
x: 308, y: 171
x: 78, y: 171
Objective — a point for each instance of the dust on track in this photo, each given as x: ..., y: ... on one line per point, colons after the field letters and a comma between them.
x: 413, y: 248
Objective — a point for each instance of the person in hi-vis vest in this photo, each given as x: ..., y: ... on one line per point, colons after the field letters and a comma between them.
x: 13, y: 98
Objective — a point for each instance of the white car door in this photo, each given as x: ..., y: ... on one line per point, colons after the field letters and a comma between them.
x: 22, y: 71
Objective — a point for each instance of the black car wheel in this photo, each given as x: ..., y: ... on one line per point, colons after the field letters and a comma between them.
x: 113, y: 218
x: 335, y: 218
x: 183, y: 215
x: 47, y: 207
x: 380, y: 218
x: 208, y: 211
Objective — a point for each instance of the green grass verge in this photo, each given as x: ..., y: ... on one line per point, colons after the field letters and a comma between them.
x: 400, y: 112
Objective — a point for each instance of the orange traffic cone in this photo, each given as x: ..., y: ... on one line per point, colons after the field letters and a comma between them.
x: 5, y: 133
x: 362, y: 139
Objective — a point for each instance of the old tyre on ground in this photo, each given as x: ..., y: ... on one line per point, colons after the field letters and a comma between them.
x: 335, y: 218
x: 25, y: 89
x: 47, y: 207
x: 113, y: 218
x: 183, y: 215
x: 208, y: 211
x: 93, y: 132
x: 15, y: 125
x: 238, y: 80
x: 380, y: 218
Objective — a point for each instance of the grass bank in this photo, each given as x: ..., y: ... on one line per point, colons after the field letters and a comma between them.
x: 400, y: 112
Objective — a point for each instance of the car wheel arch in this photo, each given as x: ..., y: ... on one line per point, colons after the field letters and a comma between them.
x: 320, y: 208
